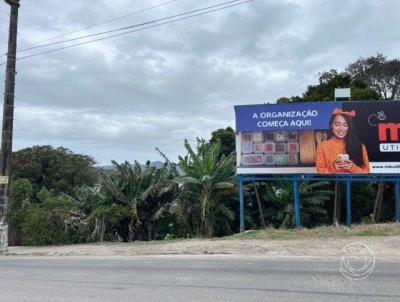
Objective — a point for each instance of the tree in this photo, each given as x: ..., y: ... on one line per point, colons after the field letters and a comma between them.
x: 324, y: 90
x: 227, y: 137
x: 379, y: 73
x: 148, y: 193
x: 313, y: 195
x: 50, y: 221
x: 21, y: 196
x: 207, y: 184
x: 293, y: 99
x: 329, y: 80
x: 59, y: 170
x: 283, y: 100
x: 21, y: 192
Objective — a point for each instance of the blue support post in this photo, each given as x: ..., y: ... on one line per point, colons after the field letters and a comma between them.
x: 348, y: 201
x: 296, y: 198
x: 398, y: 201
x: 241, y: 204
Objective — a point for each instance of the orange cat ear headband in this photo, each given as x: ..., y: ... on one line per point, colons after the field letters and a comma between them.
x: 340, y: 111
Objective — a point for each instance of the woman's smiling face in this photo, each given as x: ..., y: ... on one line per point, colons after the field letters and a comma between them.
x: 339, y: 126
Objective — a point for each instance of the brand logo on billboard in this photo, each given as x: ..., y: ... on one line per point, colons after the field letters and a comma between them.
x: 389, y: 133
x: 373, y: 119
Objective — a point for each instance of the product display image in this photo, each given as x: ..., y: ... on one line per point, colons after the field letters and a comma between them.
x: 281, y: 148
x: 253, y: 159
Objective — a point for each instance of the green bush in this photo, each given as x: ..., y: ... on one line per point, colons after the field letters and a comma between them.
x: 21, y: 196
x: 43, y: 226
x: 49, y: 222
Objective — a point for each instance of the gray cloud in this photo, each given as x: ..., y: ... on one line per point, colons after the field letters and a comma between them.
x: 119, y: 98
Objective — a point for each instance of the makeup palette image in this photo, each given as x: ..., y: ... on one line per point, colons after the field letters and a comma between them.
x: 281, y: 159
x: 247, y: 147
x: 280, y: 148
x: 258, y: 137
x: 292, y: 136
x: 259, y: 147
x: 293, y: 147
x: 247, y: 137
x: 280, y: 136
x: 270, y: 148
x: 269, y: 136
x: 293, y: 159
x: 252, y: 159
x: 269, y: 159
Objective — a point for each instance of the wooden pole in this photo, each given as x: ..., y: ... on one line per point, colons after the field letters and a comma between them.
x: 7, y: 129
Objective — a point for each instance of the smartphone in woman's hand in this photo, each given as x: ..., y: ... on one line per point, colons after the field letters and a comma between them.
x: 343, y: 157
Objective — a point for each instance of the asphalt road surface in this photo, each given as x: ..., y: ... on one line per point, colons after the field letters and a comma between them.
x: 191, y: 278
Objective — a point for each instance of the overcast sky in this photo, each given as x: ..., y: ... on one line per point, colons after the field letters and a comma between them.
x: 121, y: 97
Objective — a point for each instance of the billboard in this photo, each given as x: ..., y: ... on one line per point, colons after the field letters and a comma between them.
x: 360, y: 137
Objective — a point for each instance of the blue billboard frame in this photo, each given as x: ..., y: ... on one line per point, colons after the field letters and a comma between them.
x: 295, y: 178
x: 285, y: 117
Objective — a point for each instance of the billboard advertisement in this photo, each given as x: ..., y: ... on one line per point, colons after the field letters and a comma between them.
x: 323, y: 137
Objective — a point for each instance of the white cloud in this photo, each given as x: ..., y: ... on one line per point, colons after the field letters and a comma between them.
x: 119, y: 98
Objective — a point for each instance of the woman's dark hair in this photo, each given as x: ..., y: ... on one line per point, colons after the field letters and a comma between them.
x: 351, y: 141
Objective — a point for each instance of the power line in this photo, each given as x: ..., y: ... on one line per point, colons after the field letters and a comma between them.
x: 136, y: 30
x: 104, y: 22
x: 129, y: 27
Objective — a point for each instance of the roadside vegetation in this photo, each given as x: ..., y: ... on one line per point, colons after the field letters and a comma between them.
x: 369, y: 230
x: 58, y: 197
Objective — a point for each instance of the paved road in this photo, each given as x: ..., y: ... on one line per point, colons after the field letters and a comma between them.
x: 190, y: 278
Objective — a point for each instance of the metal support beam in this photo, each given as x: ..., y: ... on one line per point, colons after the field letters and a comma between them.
x: 319, y: 177
x: 398, y: 201
x: 296, y: 198
x: 348, y: 179
x: 241, y: 204
x: 348, y: 201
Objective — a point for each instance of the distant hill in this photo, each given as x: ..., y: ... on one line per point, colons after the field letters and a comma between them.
x: 157, y: 164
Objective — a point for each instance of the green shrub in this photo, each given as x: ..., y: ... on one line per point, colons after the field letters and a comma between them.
x: 49, y: 222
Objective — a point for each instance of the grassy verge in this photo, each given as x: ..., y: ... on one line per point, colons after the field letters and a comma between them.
x: 387, y: 229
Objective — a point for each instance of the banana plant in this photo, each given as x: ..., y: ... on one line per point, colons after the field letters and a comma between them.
x: 208, y: 176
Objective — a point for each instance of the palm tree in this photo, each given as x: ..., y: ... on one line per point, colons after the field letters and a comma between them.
x: 313, y: 196
x: 148, y: 192
x: 277, y: 197
x: 207, y: 183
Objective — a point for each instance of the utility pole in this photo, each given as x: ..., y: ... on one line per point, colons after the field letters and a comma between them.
x: 7, y: 130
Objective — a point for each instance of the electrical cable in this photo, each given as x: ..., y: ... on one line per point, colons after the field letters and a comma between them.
x: 102, y: 23
x: 128, y: 27
x: 136, y: 30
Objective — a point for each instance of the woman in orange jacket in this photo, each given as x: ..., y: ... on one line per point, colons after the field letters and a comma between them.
x: 343, y: 153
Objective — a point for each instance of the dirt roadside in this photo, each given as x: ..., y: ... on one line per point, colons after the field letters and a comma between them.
x: 379, y: 240
x: 382, y: 247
